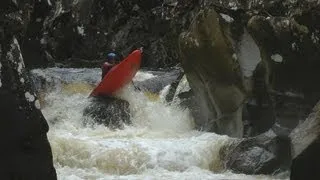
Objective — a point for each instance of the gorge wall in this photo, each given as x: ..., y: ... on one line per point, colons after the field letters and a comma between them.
x: 25, y: 152
x: 252, y: 65
x: 247, y: 61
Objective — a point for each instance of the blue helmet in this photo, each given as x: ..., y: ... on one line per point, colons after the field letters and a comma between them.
x: 111, y: 56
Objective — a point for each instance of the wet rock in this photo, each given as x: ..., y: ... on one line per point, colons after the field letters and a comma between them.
x: 307, y: 132
x: 173, y: 89
x: 260, y: 109
x: 33, y: 47
x: 110, y: 111
x: 305, y: 165
x: 79, y: 33
x: 25, y: 152
x: 158, y: 83
x: 275, y: 151
x: 289, y: 50
x: 182, y: 95
x: 51, y: 79
x: 306, y: 145
x: 267, y: 153
x: 215, y: 76
x: 281, y: 89
x: 188, y: 100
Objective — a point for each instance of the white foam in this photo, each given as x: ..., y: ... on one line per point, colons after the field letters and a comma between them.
x: 142, y: 76
x: 277, y: 58
x: 29, y: 97
x: 37, y: 104
x: 314, y: 37
x: 81, y: 30
x: 249, y: 55
x: 161, y: 143
x: 227, y: 18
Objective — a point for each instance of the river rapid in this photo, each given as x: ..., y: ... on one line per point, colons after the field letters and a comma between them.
x: 160, y: 144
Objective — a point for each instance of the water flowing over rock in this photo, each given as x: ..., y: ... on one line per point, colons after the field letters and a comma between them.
x: 79, y: 33
x: 184, y: 97
x: 26, y: 152
x: 112, y: 112
x: 275, y: 85
x: 160, y: 81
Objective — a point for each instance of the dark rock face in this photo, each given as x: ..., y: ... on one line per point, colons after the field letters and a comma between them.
x: 33, y: 47
x: 259, y: 108
x: 280, y: 89
x: 306, y: 165
x: 26, y: 152
x: 213, y: 73
x: 267, y: 153
x: 110, y: 111
x: 274, y: 151
x: 204, y: 36
x: 305, y: 143
x: 80, y: 33
x: 286, y: 47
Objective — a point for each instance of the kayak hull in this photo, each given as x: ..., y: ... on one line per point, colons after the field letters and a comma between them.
x: 119, y: 76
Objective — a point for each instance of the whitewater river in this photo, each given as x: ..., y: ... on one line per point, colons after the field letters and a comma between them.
x: 161, y: 143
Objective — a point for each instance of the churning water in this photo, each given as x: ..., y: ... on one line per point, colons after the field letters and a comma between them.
x: 161, y: 143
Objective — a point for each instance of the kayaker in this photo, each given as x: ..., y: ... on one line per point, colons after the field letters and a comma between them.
x: 112, y: 59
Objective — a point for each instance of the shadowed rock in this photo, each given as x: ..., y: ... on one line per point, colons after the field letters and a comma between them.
x: 306, y: 146
x: 213, y: 75
x: 267, y: 153
x: 25, y: 151
x: 80, y: 33
x: 110, y: 111
x: 274, y: 152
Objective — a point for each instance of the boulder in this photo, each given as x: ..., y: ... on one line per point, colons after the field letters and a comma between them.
x: 214, y: 75
x: 110, y: 111
x: 267, y: 153
x: 274, y: 151
x: 25, y: 150
x: 181, y: 95
x: 305, y: 147
x: 279, y: 87
x: 290, y: 70
x: 305, y: 165
x: 174, y: 86
x: 259, y: 110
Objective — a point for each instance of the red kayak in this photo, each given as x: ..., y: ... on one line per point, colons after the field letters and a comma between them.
x: 119, y: 76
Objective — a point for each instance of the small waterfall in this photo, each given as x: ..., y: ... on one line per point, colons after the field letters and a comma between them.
x: 249, y: 54
x: 160, y: 144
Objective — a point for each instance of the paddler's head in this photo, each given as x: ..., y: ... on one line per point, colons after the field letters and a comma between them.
x: 111, y: 58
